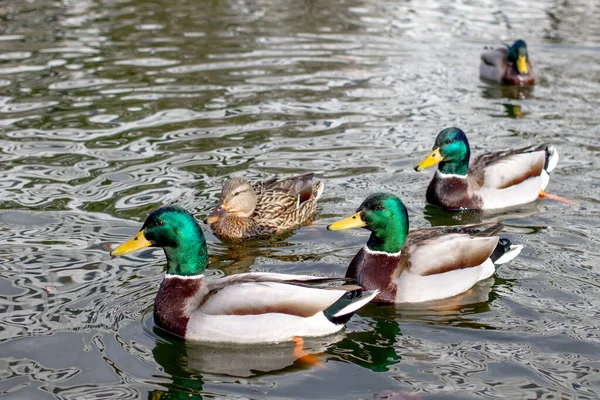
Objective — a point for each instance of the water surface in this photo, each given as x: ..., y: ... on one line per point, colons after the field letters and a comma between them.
x: 111, y: 108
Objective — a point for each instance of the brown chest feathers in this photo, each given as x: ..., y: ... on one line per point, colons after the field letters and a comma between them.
x: 231, y: 227
x: 513, y: 77
x: 376, y: 270
x: 176, y: 300
x: 452, y: 193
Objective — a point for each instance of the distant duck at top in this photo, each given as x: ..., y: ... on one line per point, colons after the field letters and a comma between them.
x: 489, y: 181
x: 510, y: 65
x: 253, y: 209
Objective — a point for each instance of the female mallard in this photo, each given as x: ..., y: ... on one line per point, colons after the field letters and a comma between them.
x: 423, y: 264
x: 253, y: 209
x: 509, y: 65
x: 244, y: 308
x: 490, y: 181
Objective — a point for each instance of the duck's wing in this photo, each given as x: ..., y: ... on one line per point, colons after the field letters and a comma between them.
x: 502, y: 169
x: 259, y: 186
x: 493, y: 64
x: 431, y: 251
x: 276, y: 197
x: 494, y: 57
x: 261, y: 293
x: 261, y: 277
x: 267, y: 309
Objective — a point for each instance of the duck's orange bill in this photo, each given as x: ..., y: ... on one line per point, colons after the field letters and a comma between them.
x: 137, y: 242
x: 433, y: 158
x: 303, y: 356
x: 217, y: 214
x: 353, y: 221
x: 543, y: 195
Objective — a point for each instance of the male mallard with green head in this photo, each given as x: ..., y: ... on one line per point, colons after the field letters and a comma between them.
x: 510, y: 65
x: 423, y: 264
x: 490, y: 181
x: 253, y: 209
x: 244, y: 308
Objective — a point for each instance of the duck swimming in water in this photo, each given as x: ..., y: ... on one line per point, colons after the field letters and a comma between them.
x: 256, y: 307
x: 511, y: 65
x: 423, y: 264
x: 254, y: 209
x: 489, y: 181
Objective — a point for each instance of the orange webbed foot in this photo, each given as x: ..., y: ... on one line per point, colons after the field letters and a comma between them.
x: 543, y: 194
x: 303, y: 356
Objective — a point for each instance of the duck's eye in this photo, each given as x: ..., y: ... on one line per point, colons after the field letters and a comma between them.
x: 379, y: 207
x: 160, y: 222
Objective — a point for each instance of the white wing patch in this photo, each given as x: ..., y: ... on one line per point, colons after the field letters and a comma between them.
x: 505, y: 170
x: 434, y: 255
x: 265, y: 295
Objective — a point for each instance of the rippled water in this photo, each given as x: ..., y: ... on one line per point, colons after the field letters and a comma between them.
x: 109, y: 109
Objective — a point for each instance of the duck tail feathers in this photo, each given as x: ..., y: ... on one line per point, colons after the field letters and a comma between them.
x: 320, y: 187
x: 505, y: 251
x: 343, y: 309
x: 551, y: 158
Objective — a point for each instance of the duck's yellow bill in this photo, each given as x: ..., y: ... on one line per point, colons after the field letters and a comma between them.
x: 353, y: 221
x: 137, y: 242
x: 432, y: 159
x: 522, y: 65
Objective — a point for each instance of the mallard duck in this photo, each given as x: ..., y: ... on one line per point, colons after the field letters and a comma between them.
x: 423, y: 264
x: 490, y: 181
x: 253, y: 209
x: 245, y: 308
x: 510, y: 65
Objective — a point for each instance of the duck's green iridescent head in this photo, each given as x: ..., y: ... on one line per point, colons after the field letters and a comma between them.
x: 180, y: 236
x: 385, y: 215
x: 517, y: 54
x: 451, y: 150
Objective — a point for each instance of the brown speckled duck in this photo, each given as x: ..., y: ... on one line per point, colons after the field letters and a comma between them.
x: 510, y: 65
x: 423, y: 264
x: 253, y: 209
x: 489, y: 181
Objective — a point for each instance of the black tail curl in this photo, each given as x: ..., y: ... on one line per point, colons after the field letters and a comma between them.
x: 502, y: 247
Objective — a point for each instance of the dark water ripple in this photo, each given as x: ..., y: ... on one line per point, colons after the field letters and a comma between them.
x: 110, y: 109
